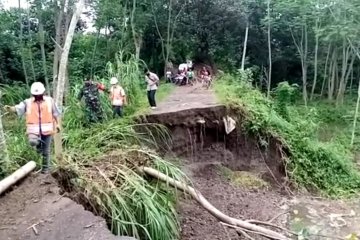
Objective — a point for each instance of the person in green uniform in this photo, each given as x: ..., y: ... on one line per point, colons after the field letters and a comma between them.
x: 90, y: 93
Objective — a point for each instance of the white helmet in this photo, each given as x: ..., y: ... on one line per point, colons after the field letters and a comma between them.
x: 37, y: 88
x: 113, y: 81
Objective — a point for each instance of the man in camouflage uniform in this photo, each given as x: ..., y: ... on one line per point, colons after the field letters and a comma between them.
x: 93, y: 109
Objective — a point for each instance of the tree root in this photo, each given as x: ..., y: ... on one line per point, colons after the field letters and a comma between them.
x: 226, y: 220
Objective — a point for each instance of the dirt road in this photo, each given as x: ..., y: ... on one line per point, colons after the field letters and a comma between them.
x: 187, y: 97
x: 36, y: 210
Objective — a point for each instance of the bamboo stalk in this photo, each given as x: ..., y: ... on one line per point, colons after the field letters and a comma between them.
x: 16, y: 176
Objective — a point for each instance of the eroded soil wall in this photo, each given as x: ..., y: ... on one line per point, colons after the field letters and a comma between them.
x: 198, y: 135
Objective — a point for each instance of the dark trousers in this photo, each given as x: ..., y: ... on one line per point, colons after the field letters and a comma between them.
x: 117, y: 110
x: 151, y: 98
x: 42, y: 145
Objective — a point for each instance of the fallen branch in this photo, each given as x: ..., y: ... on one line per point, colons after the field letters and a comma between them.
x: 16, y: 176
x: 211, y: 209
x: 239, y: 231
x: 272, y: 225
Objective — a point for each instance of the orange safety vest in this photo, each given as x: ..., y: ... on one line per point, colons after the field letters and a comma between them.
x: 39, y: 117
x: 117, y: 99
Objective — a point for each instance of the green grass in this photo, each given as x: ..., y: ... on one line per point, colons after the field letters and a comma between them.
x: 101, y: 164
x: 322, y: 166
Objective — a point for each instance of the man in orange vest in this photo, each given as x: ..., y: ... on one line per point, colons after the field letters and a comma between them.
x: 117, y: 97
x: 41, y: 115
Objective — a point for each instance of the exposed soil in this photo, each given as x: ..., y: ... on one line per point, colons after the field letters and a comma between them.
x: 37, y: 202
x: 197, y: 224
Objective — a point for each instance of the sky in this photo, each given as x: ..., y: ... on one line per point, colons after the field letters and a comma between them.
x: 24, y: 4
x: 13, y: 3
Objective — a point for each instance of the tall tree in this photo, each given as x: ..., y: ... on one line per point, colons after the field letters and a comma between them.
x: 173, y: 15
x: 41, y: 37
x: 58, y: 36
x: 269, y: 47
x: 4, y: 155
x: 59, y: 96
x: 22, y: 46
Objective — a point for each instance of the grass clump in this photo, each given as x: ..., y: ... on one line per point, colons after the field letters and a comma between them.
x: 100, y: 169
x: 321, y: 166
x: 243, y: 179
x: 113, y: 188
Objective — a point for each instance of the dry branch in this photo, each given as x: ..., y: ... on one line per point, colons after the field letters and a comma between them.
x: 211, y: 209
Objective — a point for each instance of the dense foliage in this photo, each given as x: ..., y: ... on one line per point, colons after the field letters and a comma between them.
x: 314, y: 43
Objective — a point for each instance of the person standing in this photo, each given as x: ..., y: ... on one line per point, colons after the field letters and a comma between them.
x: 117, y: 97
x: 190, y: 76
x: 90, y: 92
x: 41, y: 114
x: 152, y: 81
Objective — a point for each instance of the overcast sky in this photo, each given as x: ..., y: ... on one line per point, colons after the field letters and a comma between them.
x: 13, y: 3
x: 24, y: 4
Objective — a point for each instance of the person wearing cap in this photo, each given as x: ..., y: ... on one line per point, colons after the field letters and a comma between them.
x: 41, y: 114
x: 152, y: 81
x: 117, y: 97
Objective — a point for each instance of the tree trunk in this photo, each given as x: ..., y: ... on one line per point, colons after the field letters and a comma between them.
x: 94, y: 53
x: 302, y: 47
x: 62, y: 71
x: 2, y: 78
x: 4, y: 154
x: 305, y: 65
x: 29, y: 48
x: 331, y: 83
x: 315, y: 60
x: 245, y: 45
x: 351, y: 82
x: 168, y: 36
x: 345, y: 59
x: 136, y: 37
x: 325, y: 70
x: 57, y: 51
x: 42, y: 47
x: 342, y: 88
x: 163, y: 51
x: 269, y: 47
x: 355, y: 117
x: 22, y: 47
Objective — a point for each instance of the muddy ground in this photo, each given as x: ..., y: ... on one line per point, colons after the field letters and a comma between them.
x: 35, y: 209
x: 239, y: 202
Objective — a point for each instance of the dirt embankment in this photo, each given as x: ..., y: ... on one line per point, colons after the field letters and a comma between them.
x: 198, y: 135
